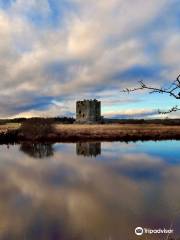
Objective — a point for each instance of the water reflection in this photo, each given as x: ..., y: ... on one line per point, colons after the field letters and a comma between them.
x: 88, y: 149
x: 37, y: 150
x: 42, y: 150
x: 67, y: 197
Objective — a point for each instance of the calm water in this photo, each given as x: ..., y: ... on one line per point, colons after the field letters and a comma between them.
x: 89, y: 191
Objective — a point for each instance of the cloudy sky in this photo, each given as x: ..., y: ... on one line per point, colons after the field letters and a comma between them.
x: 54, y: 52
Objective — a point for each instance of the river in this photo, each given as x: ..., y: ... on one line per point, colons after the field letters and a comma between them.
x: 89, y: 191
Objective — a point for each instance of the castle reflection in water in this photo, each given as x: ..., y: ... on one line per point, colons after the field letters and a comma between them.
x: 88, y: 149
x: 41, y: 150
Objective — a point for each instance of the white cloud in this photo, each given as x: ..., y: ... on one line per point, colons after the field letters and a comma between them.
x: 83, y: 39
x: 96, y: 43
x: 170, y: 53
x: 30, y: 6
x: 131, y: 113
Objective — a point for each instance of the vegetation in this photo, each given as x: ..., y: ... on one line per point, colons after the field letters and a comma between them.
x: 166, y: 121
x: 65, y: 120
x: 47, y: 130
x: 36, y: 128
x: 117, y: 132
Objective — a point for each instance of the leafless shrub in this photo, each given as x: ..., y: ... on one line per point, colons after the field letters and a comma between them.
x: 36, y: 128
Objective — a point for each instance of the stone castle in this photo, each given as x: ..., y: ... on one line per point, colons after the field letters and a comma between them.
x: 88, y: 111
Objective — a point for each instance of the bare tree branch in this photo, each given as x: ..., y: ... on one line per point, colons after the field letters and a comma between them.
x: 173, y: 109
x: 172, y: 90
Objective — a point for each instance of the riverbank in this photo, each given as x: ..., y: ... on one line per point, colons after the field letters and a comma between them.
x: 119, y: 132
x: 104, y: 132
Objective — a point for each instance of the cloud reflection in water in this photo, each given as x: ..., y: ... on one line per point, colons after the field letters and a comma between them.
x: 69, y: 196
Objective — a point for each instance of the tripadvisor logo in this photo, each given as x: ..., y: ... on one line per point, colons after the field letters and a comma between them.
x: 140, y: 231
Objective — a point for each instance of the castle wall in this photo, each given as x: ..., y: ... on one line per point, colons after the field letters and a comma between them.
x: 88, y: 111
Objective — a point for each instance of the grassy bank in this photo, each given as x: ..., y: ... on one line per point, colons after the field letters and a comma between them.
x: 119, y: 132
x: 104, y: 132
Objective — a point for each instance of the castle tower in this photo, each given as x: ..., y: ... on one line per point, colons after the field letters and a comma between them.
x: 88, y: 111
